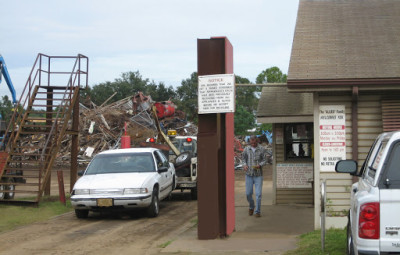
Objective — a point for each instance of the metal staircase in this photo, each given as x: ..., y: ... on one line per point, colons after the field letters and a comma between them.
x: 40, y: 122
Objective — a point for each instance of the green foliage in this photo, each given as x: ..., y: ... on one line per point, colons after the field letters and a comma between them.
x: 6, y: 107
x: 246, y: 96
x: 186, y: 97
x: 14, y: 216
x: 264, y: 126
x: 271, y: 75
x: 164, y: 245
x: 160, y: 92
x: 310, y: 243
x: 129, y: 84
x: 244, y: 120
x: 246, y: 105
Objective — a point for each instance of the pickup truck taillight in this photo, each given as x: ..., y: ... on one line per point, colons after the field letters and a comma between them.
x: 368, y: 227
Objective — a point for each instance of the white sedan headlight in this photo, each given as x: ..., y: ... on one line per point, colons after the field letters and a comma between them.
x: 81, y: 192
x: 136, y: 191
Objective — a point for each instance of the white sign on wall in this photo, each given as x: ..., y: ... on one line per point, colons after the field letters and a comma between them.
x: 216, y: 93
x: 297, y: 175
x: 332, y: 136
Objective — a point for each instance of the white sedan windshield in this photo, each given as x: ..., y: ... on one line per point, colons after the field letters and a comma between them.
x: 121, y: 163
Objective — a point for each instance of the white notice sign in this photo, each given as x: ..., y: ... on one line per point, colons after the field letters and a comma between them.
x: 216, y: 93
x: 332, y: 136
x: 295, y: 175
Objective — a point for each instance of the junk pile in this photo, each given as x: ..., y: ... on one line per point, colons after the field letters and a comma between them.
x: 101, y: 127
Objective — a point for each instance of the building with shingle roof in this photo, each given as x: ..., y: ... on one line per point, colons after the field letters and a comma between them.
x: 345, y: 62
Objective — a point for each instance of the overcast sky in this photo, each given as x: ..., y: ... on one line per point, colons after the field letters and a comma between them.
x: 156, y: 38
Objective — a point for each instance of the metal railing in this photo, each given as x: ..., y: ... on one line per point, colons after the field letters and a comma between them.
x: 42, y: 75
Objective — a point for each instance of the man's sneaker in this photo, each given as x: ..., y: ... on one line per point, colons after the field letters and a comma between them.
x: 251, y: 212
x: 258, y: 215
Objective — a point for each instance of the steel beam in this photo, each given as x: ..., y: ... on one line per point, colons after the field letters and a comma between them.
x: 216, y: 212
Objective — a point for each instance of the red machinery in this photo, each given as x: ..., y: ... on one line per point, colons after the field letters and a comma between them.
x: 165, y: 109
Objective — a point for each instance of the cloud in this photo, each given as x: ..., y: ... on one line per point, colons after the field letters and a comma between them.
x: 157, y: 38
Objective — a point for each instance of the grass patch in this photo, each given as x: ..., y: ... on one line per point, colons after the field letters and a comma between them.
x: 310, y: 243
x: 165, y: 244
x: 15, y: 216
x: 194, y: 222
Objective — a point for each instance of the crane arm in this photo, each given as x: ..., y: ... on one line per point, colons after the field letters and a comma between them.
x: 4, y: 73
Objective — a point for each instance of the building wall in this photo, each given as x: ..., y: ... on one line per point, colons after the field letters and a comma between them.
x: 289, y: 195
x: 338, y: 186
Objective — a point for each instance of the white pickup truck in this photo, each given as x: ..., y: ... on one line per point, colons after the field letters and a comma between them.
x: 374, y: 216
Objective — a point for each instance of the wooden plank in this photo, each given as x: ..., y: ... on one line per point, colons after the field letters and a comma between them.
x: 341, y: 196
x: 299, y: 197
x: 338, y: 189
x: 325, y: 100
x: 294, y: 201
x: 338, y: 182
x: 280, y: 156
x: 375, y: 130
x: 370, y: 110
x: 335, y: 176
x: 338, y: 202
x: 297, y: 193
x: 338, y: 209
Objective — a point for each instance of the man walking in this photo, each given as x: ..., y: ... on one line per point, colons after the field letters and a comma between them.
x: 254, y: 158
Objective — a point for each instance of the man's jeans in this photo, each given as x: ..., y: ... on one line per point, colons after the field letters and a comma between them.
x: 257, y: 181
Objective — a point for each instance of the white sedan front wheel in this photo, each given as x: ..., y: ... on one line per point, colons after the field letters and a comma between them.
x: 154, y: 207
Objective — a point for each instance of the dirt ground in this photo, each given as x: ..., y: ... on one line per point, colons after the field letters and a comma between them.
x: 124, y: 233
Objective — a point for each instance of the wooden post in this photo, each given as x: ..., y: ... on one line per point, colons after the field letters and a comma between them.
x: 61, y: 190
x: 49, y: 122
x: 216, y: 209
x: 74, y: 144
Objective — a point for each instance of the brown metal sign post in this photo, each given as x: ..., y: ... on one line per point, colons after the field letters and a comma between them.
x: 216, y: 208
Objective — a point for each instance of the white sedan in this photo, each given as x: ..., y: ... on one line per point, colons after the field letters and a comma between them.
x: 124, y: 179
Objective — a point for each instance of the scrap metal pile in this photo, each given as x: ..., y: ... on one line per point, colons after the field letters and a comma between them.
x: 101, y: 127
x: 241, y: 142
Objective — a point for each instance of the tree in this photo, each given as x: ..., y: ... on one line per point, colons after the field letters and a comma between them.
x: 246, y: 104
x: 244, y: 120
x: 271, y: 75
x: 263, y: 127
x: 245, y: 96
x: 186, y: 97
x: 6, y: 107
x: 129, y: 84
x: 160, y: 92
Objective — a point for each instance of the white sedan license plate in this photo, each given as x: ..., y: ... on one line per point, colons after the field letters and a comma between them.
x: 105, y: 202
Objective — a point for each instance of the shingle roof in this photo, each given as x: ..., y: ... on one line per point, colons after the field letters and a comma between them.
x: 275, y: 101
x: 346, y: 39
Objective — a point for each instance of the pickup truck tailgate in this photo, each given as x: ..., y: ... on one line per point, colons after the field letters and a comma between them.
x: 390, y: 220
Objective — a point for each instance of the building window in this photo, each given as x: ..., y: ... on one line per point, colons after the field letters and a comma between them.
x: 299, y: 141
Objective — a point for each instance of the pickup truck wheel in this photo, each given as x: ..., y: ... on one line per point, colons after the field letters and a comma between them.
x: 10, y: 195
x: 350, y: 248
x: 183, y: 159
x: 81, y: 214
x: 193, y: 193
x: 154, y: 207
